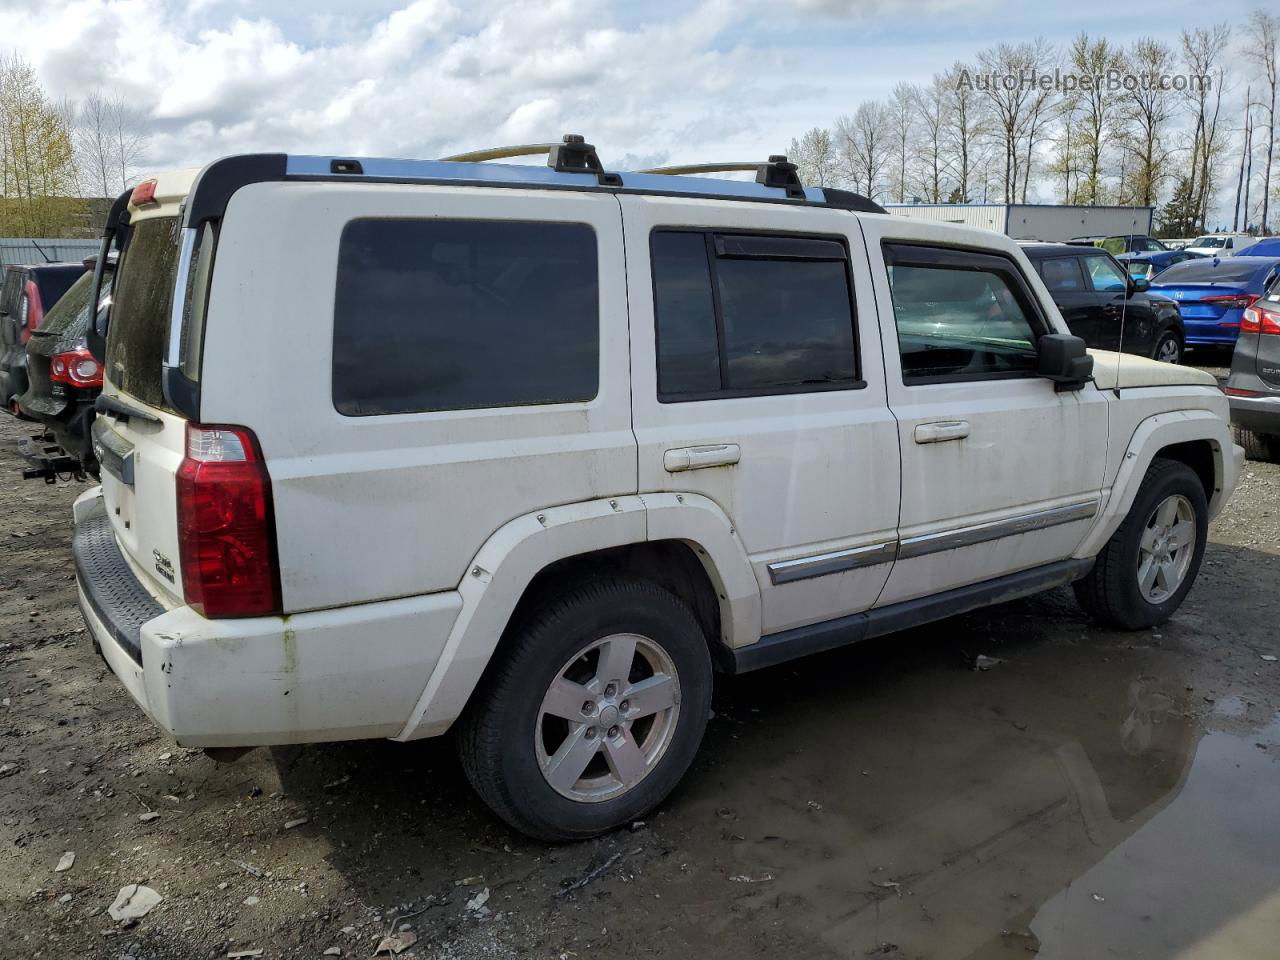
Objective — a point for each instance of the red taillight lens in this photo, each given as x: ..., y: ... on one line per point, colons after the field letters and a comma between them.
x: 76, y: 367
x: 226, y: 525
x: 1232, y: 301
x: 143, y: 193
x: 35, y: 312
x: 1260, y: 318
x: 1240, y: 392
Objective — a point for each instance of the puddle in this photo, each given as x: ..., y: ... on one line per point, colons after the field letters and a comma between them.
x: 1072, y: 802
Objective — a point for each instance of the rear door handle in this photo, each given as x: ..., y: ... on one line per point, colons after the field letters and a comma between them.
x: 941, y: 431
x: 699, y: 458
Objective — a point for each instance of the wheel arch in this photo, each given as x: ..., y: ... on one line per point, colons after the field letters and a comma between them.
x: 1198, y: 438
x: 684, y: 542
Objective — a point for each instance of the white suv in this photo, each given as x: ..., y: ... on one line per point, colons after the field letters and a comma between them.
x: 394, y: 447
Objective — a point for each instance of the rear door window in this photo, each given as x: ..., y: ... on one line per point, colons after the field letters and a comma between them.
x: 1062, y: 275
x: 464, y: 314
x: 141, y: 303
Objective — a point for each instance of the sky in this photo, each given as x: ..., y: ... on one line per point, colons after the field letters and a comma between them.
x: 703, y: 80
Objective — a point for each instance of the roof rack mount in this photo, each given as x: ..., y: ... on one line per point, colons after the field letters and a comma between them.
x: 571, y: 155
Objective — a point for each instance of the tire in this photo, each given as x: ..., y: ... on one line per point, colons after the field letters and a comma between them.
x: 1112, y: 591
x: 1168, y: 348
x: 1258, y: 446
x: 507, y: 735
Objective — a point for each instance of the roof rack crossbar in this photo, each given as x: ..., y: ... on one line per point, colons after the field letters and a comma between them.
x: 777, y: 171
x: 571, y: 155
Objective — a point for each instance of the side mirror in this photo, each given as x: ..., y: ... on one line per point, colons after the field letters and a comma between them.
x: 1138, y: 284
x: 1064, y: 359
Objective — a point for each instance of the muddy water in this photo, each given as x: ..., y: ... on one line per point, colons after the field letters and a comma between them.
x: 1085, y: 798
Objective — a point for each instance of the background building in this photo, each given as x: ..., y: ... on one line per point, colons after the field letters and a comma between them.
x: 1034, y: 221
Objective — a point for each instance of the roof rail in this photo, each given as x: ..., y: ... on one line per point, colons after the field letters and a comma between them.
x: 571, y: 155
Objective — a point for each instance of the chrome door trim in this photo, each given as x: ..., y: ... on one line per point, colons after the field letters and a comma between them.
x: 838, y: 561
x: 996, y: 529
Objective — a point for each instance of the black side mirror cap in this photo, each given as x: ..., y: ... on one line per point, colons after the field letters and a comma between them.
x: 1139, y: 284
x: 1065, y: 360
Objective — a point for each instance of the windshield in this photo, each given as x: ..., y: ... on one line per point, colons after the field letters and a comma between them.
x: 1208, y: 242
x: 140, y: 306
x: 69, y: 318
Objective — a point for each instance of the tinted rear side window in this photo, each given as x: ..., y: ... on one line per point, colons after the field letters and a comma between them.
x: 463, y: 314
x: 69, y: 319
x: 141, y: 302
x: 54, y: 282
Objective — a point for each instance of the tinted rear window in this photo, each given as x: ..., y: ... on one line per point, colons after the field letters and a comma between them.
x: 54, y: 282
x: 1206, y: 271
x: 141, y: 302
x: 69, y: 318
x: 463, y: 314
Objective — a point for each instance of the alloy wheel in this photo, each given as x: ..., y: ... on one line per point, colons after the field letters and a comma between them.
x: 1166, y: 548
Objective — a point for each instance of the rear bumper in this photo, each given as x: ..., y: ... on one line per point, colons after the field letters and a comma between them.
x: 343, y: 674
x: 1259, y: 414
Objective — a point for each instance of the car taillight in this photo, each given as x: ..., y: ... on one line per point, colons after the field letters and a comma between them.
x: 1232, y: 301
x: 35, y: 311
x: 1240, y: 392
x: 226, y: 525
x: 76, y: 367
x: 1260, y: 318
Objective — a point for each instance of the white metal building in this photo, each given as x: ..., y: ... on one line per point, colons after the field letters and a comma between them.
x: 1034, y: 221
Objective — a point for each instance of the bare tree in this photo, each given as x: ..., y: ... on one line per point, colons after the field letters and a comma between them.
x: 933, y: 108
x: 1091, y: 60
x: 1202, y: 51
x: 1264, y: 29
x: 1013, y: 95
x: 902, y: 128
x: 1246, y: 163
x: 814, y: 154
x: 965, y: 125
x: 1145, y: 110
x: 111, y: 141
x: 863, y: 142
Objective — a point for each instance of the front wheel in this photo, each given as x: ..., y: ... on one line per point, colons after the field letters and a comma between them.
x: 593, y: 713
x: 1148, y: 566
x: 1168, y: 347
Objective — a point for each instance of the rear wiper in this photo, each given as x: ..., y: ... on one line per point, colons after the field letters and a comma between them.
x: 105, y: 404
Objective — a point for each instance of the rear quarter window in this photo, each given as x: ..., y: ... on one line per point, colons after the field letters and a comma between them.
x: 442, y: 314
x: 141, y: 302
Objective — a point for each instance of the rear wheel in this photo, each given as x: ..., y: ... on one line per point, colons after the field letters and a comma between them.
x: 1148, y: 566
x: 594, y: 712
x: 1168, y: 347
x: 1258, y: 446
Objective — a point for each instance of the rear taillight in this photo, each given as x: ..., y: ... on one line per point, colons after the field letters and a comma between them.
x: 1240, y: 392
x: 226, y: 526
x: 76, y: 367
x: 1260, y: 318
x: 1232, y: 301
x: 35, y: 311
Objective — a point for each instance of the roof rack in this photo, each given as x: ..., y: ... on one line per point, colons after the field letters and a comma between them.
x: 571, y: 155
x: 777, y: 171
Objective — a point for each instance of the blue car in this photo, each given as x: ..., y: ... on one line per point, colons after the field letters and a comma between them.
x: 1147, y: 265
x: 1212, y: 294
x: 1266, y: 247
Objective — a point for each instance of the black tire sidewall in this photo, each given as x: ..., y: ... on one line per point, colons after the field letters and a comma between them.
x: 546, y: 642
x: 1177, y: 479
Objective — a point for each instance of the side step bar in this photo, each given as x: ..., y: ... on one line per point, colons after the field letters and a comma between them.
x: 778, y: 648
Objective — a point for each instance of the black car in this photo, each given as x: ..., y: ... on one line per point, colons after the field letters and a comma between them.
x: 1253, y: 388
x: 1094, y: 294
x: 27, y: 292
x: 64, y: 378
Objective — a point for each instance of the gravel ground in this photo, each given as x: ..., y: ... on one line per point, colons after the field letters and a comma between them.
x: 1092, y: 793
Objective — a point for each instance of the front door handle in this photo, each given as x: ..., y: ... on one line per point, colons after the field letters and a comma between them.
x: 699, y: 458
x: 941, y: 431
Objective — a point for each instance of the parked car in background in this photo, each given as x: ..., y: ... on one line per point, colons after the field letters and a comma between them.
x: 64, y: 377
x: 1266, y: 247
x: 1253, y: 388
x: 533, y: 460
x: 1213, y: 294
x: 1221, y: 244
x: 27, y: 292
x: 1132, y: 243
x: 1095, y: 294
x: 1148, y: 265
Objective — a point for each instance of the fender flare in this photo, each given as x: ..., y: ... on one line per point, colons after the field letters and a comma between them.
x: 519, y: 550
x: 1149, y: 438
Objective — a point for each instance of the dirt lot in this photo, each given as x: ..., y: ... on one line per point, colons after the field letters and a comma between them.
x: 1093, y: 794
